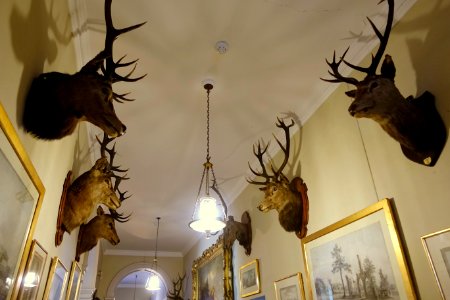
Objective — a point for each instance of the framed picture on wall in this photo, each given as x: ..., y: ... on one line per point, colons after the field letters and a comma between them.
x: 212, y: 273
x: 56, y: 281
x: 437, y: 249
x: 33, y: 272
x: 249, y: 279
x: 74, y: 281
x: 358, y: 256
x: 20, y: 200
x: 290, y: 288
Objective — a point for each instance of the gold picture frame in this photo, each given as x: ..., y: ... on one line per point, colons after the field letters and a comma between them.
x: 21, y: 200
x: 213, y: 271
x: 437, y: 249
x: 249, y: 281
x: 56, y: 281
x: 290, y: 287
x: 34, y: 269
x: 74, y: 281
x: 368, y: 244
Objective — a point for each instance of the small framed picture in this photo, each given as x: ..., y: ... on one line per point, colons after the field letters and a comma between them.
x: 249, y: 279
x: 74, y: 282
x: 33, y: 272
x: 437, y: 248
x: 290, y: 288
x: 56, y: 282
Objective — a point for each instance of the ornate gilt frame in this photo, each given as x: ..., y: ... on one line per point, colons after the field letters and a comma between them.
x: 208, y: 255
x: 13, y: 151
x: 374, y: 225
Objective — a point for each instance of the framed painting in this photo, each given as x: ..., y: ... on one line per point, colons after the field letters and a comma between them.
x: 20, y: 202
x: 360, y: 256
x: 33, y: 272
x: 260, y: 298
x: 212, y: 274
x: 56, y: 281
x: 74, y: 281
x: 437, y: 249
x: 290, y: 288
x: 249, y: 279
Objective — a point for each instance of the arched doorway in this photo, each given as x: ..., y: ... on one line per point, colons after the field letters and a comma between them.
x: 129, y: 284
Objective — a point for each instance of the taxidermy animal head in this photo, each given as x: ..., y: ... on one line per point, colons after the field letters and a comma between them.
x: 413, y: 122
x: 57, y: 102
x: 177, y: 292
x: 80, y: 198
x: 241, y: 231
x: 288, y: 198
x: 101, y: 226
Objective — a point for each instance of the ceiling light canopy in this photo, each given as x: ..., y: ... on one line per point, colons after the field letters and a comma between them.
x: 209, y: 215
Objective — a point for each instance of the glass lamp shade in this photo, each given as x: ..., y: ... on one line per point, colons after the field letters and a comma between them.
x: 152, y: 283
x: 208, y: 217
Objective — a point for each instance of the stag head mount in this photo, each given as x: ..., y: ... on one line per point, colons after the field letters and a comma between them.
x: 288, y: 198
x: 99, y: 185
x: 413, y: 122
x: 241, y: 231
x: 57, y: 102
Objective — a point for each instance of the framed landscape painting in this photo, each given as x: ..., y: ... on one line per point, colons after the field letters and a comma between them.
x: 360, y: 256
x: 56, y: 281
x: 74, y: 281
x: 249, y: 279
x: 290, y: 288
x: 212, y: 274
x: 33, y: 272
x: 437, y: 249
x: 20, y: 200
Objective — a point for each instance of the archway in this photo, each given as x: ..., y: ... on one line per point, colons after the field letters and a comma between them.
x: 133, y: 287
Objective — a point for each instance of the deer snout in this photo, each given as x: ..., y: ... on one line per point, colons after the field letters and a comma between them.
x: 124, y: 129
x: 115, y: 240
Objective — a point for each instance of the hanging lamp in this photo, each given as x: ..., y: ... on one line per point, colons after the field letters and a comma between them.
x: 209, y: 215
x: 153, y: 281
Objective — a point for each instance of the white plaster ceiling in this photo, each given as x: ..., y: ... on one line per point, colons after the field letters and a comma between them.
x: 276, y: 56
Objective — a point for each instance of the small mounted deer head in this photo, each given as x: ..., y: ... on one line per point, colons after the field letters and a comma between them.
x: 101, y: 226
x: 241, y: 231
x: 289, y: 199
x: 177, y: 293
x: 94, y: 187
x: 57, y: 102
x: 413, y: 122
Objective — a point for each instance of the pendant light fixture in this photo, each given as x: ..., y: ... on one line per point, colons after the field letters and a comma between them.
x: 209, y: 215
x: 153, y: 282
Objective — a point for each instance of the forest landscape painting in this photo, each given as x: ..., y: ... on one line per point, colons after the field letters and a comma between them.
x: 358, y: 257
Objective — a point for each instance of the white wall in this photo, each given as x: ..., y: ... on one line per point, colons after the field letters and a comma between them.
x: 349, y: 164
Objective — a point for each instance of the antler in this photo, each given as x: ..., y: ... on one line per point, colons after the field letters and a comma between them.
x: 177, y: 288
x: 259, y: 153
x: 110, y: 70
x: 371, y: 70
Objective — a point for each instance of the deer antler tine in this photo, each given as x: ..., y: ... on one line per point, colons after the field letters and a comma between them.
x: 121, y: 97
x: 334, y: 66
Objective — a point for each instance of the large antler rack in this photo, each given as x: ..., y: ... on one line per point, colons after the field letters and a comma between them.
x: 119, y: 217
x: 259, y: 152
x: 110, y: 69
x: 371, y: 70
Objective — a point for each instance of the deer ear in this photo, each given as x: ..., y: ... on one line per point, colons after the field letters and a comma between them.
x: 388, y: 68
x: 351, y: 93
x: 100, y: 211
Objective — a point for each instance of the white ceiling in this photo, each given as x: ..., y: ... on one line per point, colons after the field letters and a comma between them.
x: 276, y: 56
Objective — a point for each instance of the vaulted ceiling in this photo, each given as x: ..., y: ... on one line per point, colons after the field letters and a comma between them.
x: 272, y: 68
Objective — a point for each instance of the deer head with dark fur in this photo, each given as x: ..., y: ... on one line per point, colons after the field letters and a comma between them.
x: 57, y: 102
x: 241, y: 231
x: 288, y: 198
x: 92, y: 188
x: 413, y: 122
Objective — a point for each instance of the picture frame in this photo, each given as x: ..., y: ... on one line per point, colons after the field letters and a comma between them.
x: 213, y: 270
x: 249, y: 281
x: 56, y: 280
x: 33, y: 272
x: 290, y: 287
x: 74, y: 281
x: 437, y: 249
x: 21, y: 201
x: 366, y: 242
x: 263, y: 297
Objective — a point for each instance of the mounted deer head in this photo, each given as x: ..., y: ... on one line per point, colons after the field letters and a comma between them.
x: 413, y: 122
x: 289, y: 199
x: 177, y: 292
x: 56, y: 102
x: 101, y: 226
x: 241, y: 231
x: 90, y: 189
